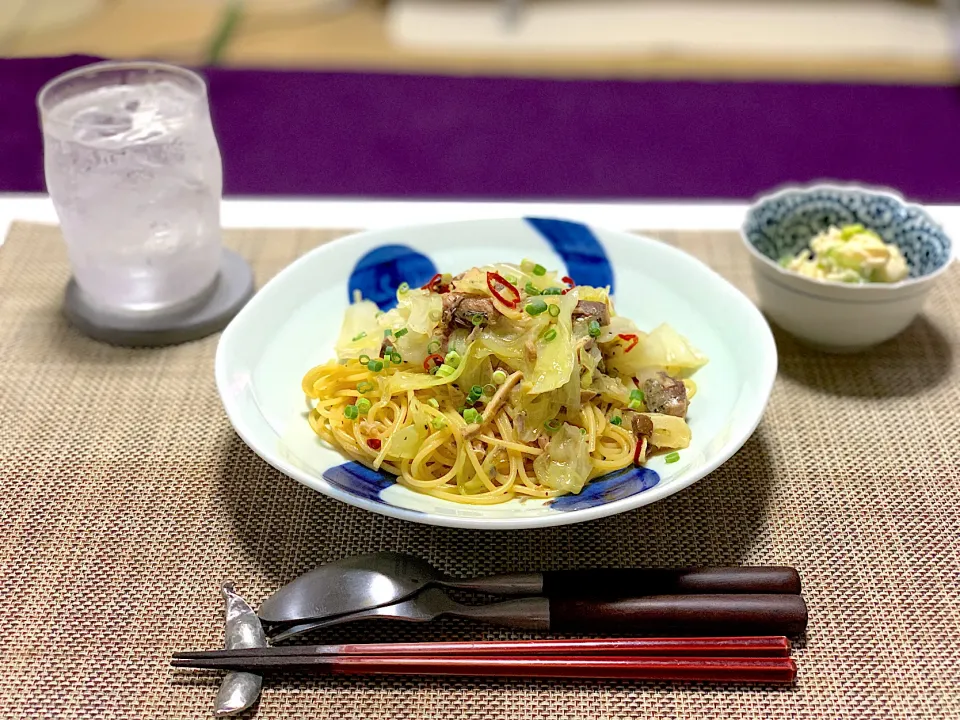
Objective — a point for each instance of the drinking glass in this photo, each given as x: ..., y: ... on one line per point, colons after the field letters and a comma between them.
x: 134, y: 171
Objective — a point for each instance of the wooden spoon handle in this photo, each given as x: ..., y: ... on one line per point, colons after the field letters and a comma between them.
x: 683, y: 614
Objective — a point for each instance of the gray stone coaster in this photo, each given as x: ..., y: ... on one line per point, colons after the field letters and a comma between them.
x: 233, y: 288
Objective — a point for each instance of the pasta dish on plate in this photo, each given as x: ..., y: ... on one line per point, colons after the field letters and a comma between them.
x: 501, y: 382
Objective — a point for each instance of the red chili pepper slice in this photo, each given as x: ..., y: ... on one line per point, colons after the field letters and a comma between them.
x: 431, y: 282
x: 630, y: 338
x: 637, y: 460
x: 568, y: 280
x: 495, y: 278
x: 373, y: 443
x: 438, y: 359
x: 435, y: 284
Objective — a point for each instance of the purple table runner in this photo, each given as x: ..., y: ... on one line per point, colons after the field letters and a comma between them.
x: 413, y: 136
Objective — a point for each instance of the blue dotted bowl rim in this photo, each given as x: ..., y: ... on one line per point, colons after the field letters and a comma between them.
x: 851, y: 188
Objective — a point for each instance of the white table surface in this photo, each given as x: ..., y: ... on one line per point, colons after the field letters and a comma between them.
x: 362, y: 213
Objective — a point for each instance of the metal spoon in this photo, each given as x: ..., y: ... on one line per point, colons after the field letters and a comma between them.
x: 708, y: 615
x: 369, y: 581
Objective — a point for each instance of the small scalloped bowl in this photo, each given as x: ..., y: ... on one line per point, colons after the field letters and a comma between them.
x: 835, y: 316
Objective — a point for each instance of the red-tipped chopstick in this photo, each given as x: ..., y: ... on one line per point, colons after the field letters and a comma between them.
x: 773, y: 670
x: 742, y: 660
x: 772, y: 646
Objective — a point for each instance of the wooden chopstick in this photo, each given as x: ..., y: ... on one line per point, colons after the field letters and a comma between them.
x: 770, y: 646
x: 768, y: 670
x: 733, y: 659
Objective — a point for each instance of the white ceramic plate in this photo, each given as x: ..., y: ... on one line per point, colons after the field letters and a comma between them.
x: 293, y: 322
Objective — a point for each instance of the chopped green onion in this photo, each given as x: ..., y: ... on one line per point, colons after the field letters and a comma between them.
x: 551, y: 426
x: 478, y: 319
x: 848, y: 231
x: 470, y: 415
x: 433, y: 403
x: 499, y: 377
x: 636, y: 394
x: 434, y: 315
x: 396, y: 358
x: 512, y: 279
x: 438, y: 423
x: 550, y: 335
x: 445, y: 370
x: 539, y: 270
x: 400, y: 333
x: 364, y: 386
x: 583, y: 431
x: 404, y: 288
x: 489, y: 389
x: 554, y: 310
x: 476, y: 391
x: 536, y: 306
x: 363, y: 405
x: 672, y: 457
x: 364, y: 359
x: 552, y: 291
x: 594, y: 328
x: 387, y: 333
x: 375, y: 365
x: 634, y: 404
x: 452, y: 359
x: 433, y: 346
x: 527, y: 265
x: 350, y: 412
x: 359, y: 336
x: 531, y: 289
x: 616, y: 420
x: 785, y: 261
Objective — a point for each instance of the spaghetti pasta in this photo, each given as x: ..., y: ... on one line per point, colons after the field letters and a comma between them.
x: 501, y: 383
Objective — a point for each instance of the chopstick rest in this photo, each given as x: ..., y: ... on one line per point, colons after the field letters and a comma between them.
x: 239, y: 690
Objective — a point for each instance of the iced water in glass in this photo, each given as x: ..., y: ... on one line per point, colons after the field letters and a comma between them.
x: 133, y: 168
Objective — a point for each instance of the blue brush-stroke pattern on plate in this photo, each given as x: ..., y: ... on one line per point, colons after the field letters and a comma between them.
x: 360, y: 481
x: 582, y: 253
x: 609, y: 488
x: 378, y: 273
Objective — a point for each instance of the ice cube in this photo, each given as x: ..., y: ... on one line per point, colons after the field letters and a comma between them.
x: 93, y: 123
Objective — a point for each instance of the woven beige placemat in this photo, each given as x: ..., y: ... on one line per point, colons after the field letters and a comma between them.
x: 127, y: 498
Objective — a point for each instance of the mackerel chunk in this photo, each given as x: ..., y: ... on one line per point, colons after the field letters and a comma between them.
x: 665, y: 394
x: 591, y: 310
x: 460, y: 309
